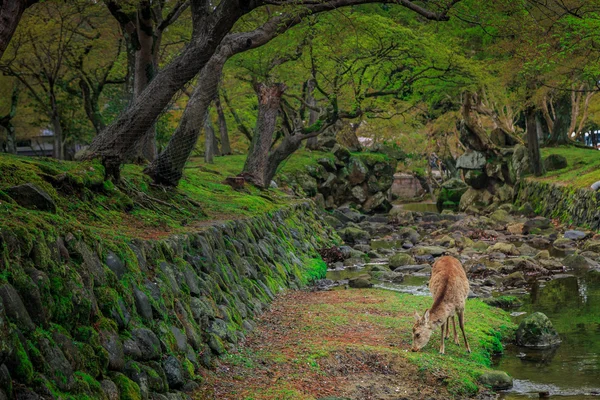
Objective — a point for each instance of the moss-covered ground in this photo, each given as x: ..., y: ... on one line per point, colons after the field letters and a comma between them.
x: 355, y: 343
x: 582, y: 170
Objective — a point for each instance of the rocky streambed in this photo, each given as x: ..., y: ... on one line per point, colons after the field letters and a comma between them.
x: 513, y: 260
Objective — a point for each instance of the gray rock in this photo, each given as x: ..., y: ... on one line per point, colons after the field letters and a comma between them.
x: 6, y: 381
x: 59, y: 367
x: 358, y: 171
x: 142, y: 305
x: 32, y: 197
x: 174, y: 372
x: 131, y: 349
x: 110, y: 389
x: 536, y: 331
x: 114, y: 263
x: 359, y: 194
x: 327, y: 163
x: 429, y: 250
x: 180, y: 338
x: 116, y: 356
x: 341, y: 153
x: 15, y: 309
x: 354, y: 235
x: 360, y: 282
x: 471, y: 160
x: 409, y: 234
x: 411, y: 268
x: 574, y: 235
x: 497, y: 380
x: 148, y: 344
x: 376, y: 203
x: 575, y: 261
x: 595, y: 185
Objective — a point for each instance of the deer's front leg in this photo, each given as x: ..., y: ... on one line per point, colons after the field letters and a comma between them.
x: 442, y: 349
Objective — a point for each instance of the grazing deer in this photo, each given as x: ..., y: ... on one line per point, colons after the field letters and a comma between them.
x: 449, y: 287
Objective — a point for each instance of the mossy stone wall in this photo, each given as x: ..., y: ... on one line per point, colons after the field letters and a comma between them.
x: 579, y: 207
x: 84, y: 317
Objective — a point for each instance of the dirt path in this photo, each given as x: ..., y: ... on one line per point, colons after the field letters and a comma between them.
x: 317, y: 344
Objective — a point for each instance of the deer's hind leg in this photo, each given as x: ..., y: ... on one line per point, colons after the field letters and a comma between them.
x: 456, y: 341
x: 442, y: 348
x: 461, y: 323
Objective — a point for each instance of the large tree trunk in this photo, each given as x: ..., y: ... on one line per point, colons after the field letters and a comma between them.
x: 225, y: 144
x: 559, y: 129
x: 11, y: 12
x: 256, y: 167
x: 209, y: 141
x: 6, y: 122
x: 533, y: 144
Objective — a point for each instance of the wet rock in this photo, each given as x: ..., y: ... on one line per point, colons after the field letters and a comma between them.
x: 554, y: 162
x: 516, y: 229
x: 516, y: 279
x: 536, y: 331
x: 574, y: 235
x: 114, y: 263
x: 411, y: 268
x: 496, y: 380
x: 59, y: 367
x: 15, y: 309
x: 542, y: 255
x: 425, y: 259
x: 592, y: 245
x: 354, y: 235
x: 32, y: 197
x: 500, y: 216
x: 401, y: 259
x: 174, y: 372
x: 535, y: 224
x: 445, y: 241
x: 505, y: 248
x: 410, y: 235
x: 361, y: 282
x: 575, y: 261
x: 429, y: 250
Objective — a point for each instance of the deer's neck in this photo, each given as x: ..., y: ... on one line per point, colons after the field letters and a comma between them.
x: 439, y: 315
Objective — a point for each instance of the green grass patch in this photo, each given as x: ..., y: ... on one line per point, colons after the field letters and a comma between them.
x: 582, y: 170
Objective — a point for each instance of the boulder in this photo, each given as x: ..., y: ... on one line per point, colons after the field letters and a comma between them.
x: 115, y: 264
x: 575, y: 261
x: 357, y: 171
x: 496, y: 380
x: 520, y: 163
x: 31, y: 196
x: 359, y: 194
x: 574, y: 235
x: 505, y: 248
x: 471, y: 160
x: 111, y: 343
x: 516, y: 229
x: 400, y: 259
x: 173, y: 372
x: 148, y: 343
x: 592, y: 245
x: 500, y: 216
x: 409, y: 234
x: 354, y: 235
x: 536, y: 331
x: 554, y: 162
x: 15, y: 309
x: 376, y: 202
x: 406, y: 186
x: 361, y: 282
x: 429, y: 250
x: 470, y: 197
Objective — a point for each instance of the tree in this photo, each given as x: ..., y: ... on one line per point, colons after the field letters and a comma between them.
x: 209, y: 26
x: 10, y: 14
x: 7, y: 124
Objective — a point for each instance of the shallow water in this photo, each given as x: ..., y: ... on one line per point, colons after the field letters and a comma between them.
x: 412, y: 284
x: 572, y: 370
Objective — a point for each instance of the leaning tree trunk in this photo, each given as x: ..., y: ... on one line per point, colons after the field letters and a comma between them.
x: 6, y: 122
x: 256, y: 167
x: 533, y: 144
x: 11, y: 12
x: 225, y: 144
x: 209, y: 142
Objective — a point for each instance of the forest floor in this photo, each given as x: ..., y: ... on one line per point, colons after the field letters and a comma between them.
x: 353, y: 344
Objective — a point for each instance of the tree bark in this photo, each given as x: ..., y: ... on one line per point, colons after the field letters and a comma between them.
x: 533, y: 144
x: 58, y: 151
x: 256, y: 167
x: 313, y: 115
x: 11, y: 12
x: 90, y: 104
x: 209, y: 142
x: 210, y: 25
x: 6, y: 122
x: 225, y: 144
x: 560, y: 125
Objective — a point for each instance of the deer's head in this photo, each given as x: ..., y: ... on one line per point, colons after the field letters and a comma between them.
x: 422, y: 330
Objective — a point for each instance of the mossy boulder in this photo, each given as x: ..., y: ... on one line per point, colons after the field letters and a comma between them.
x: 554, y: 162
x: 496, y: 380
x: 536, y: 331
x: 354, y: 235
x: 401, y: 259
x: 505, y: 248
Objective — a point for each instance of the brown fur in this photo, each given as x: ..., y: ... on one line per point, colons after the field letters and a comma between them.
x: 449, y: 287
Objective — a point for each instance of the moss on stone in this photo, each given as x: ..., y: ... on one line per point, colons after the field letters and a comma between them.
x: 128, y: 389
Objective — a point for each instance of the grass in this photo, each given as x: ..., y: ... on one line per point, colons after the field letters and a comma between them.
x: 324, y: 342
x: 583, y: 167
x: 137, y: 208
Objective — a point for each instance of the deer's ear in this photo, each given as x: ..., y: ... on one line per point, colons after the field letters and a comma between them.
x: 426, y: 316
x: 417, y: 317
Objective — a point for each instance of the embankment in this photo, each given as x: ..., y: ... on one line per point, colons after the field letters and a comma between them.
x: 85, y: 316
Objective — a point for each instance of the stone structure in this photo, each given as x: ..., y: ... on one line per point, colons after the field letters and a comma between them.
x: 82, y: 316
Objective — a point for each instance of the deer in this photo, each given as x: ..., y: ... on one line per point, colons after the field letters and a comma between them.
x: 449, y: 287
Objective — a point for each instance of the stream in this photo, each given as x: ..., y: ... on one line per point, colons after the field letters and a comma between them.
x: 571, y: 301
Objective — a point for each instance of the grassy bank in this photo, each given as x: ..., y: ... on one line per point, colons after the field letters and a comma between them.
x: 583, y: 167
x: 354, y: 343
